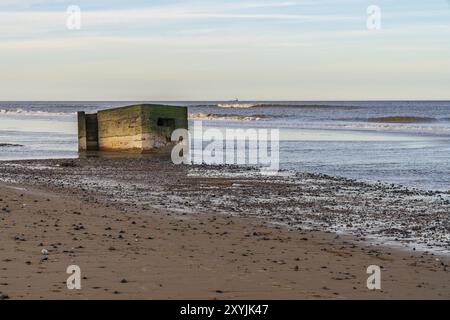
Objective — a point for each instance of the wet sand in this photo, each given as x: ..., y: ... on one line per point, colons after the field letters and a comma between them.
x: 148, y: 247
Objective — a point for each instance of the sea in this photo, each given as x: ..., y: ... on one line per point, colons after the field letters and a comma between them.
x: 399, y: 142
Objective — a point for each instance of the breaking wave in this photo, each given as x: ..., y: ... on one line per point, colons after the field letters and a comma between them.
x: 277, y: 105
x: 391, y: 127
x: 5, y: 145
x: 402, y: 119
x: 211, y: 116
x: 20, y: 111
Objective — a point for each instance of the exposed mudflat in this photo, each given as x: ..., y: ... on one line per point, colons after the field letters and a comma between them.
x: 389, y: 214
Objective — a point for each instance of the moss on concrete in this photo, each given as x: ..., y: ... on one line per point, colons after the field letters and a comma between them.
x: 144, y: 128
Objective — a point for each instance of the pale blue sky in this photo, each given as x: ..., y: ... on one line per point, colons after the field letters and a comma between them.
x: 205, y: 50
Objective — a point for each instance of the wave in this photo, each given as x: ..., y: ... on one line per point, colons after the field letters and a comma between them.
x: 236, y: 105
x: 402, y: 119
x: 10, y: 145
x: 212, y: 116
x: 228, y: 105
x: 390, y: 127
x: 309, y: 106
x: 276, y: 105
x: 20, y: 111
x: 399, y: 120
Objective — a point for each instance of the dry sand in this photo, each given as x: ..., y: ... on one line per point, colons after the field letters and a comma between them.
x: 155, y: 253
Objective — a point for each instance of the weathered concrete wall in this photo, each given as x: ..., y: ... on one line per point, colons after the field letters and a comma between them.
x: 141, y: 128
x: 87, y: 132
x: 158, y: 123
x: 120, y: 129
x: 82, y: 142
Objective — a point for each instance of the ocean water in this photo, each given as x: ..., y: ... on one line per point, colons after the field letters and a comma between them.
x: 401, y: 142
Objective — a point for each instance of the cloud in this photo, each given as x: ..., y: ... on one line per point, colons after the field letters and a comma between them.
x: 32, y: 22
x: 125, y: 43
x: 29, y: 24
x: 259, y: 5
x: 109, y: 16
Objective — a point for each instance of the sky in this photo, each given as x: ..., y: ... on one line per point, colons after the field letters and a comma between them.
x: 171, y: 50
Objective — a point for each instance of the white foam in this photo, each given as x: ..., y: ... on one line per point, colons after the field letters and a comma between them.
x: 209, y: 116
x: 237, y: 105
x: 20, y: 111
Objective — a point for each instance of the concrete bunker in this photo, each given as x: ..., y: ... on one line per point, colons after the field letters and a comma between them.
x: 139, y: 128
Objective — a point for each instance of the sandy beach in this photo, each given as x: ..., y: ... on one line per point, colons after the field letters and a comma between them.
x: 224, y: 150
x: 121, y: 221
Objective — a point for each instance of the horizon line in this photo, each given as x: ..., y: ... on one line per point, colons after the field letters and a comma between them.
x: 219, y: 100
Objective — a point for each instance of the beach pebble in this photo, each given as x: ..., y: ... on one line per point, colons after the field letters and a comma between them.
x: 3, y: 296
x: 20, y: 237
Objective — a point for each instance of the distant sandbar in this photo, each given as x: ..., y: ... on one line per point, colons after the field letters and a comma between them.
x: 401, y: 119
x: 10, y: 145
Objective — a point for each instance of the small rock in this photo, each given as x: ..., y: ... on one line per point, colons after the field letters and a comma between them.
x: 4, y: 296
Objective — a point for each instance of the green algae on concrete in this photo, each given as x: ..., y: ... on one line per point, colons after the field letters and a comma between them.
x: 138, y: 128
